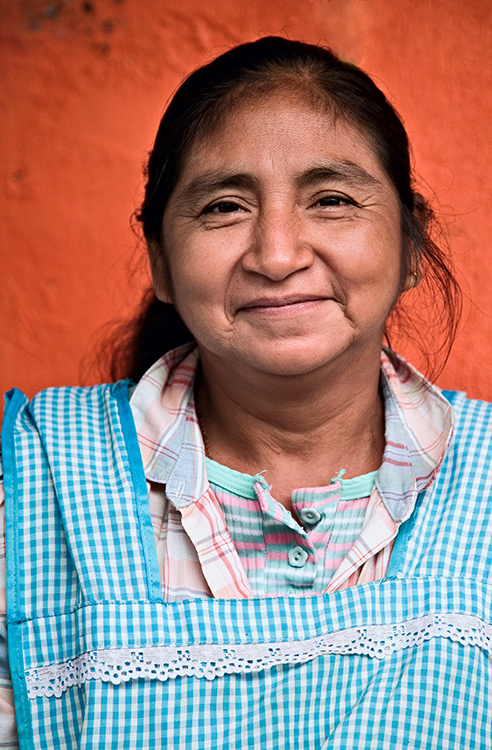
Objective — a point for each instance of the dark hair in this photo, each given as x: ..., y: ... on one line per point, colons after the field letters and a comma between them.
x: 198, y: 107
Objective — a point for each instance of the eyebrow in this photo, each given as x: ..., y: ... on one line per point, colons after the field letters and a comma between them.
x: 348, y: 171
x: 209, y: 182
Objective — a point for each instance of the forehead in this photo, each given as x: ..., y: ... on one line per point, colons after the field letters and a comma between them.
x: 278, y: 133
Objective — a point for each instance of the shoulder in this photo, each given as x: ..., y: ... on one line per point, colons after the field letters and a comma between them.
x: 64, y: 432
x: 61, y: 420
x: 466, y: 409
x: 63, y: 403
x: 472, y: 424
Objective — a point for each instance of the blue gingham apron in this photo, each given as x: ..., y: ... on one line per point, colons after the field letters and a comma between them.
x: 98, y: 659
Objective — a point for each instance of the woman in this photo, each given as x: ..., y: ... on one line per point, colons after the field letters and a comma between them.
x: 165, y: 583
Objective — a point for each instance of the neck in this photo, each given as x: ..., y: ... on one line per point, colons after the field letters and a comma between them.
x: 302, y: 430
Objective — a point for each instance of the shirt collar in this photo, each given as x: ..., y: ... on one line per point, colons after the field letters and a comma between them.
x: 419, y: 424
x: 169, y: 436
x: 419, y: 427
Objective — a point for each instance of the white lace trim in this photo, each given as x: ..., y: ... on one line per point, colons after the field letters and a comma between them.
x: 211, y: 661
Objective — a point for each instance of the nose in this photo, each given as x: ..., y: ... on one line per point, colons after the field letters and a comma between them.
x: 277, y: 250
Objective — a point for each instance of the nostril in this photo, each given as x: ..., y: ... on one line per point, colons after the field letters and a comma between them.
x: 277, y: 264
x: 277, y: 251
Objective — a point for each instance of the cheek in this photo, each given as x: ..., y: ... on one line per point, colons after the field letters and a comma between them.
x: 197, y: 284
x: 202, y: 270
x: 384, y: 255
x: 197, y: 294
x: 372, y: 270
x: 372, y: 260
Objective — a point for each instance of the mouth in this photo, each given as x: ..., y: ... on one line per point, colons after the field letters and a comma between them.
x: 291, y: 299
x: 283, y: 305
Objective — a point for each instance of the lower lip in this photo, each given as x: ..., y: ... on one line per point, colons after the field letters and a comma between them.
x: 284, y: 311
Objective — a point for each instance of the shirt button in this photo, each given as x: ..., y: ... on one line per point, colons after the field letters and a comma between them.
x: 297, y: 557
x: 309, y: 515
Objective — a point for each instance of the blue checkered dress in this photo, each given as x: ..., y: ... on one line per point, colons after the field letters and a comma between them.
x: 98, y: 659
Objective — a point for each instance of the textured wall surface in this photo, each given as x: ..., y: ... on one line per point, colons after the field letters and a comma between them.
x: 82, y: 89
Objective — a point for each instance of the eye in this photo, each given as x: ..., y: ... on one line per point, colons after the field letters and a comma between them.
x: 335, y: 201
x: 222, y: 207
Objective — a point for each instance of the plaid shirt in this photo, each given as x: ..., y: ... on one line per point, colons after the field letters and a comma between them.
x: 196, y: 554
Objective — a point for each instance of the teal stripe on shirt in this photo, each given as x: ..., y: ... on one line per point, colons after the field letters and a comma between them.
x: 264, y: 542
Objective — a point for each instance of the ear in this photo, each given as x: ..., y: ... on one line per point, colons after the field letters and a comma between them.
x: 413, y: 275
x: 160, y: 271
x: 422, y: 214
x: 412, y: 280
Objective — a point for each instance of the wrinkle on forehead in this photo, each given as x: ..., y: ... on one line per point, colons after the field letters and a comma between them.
x: 301, y: 90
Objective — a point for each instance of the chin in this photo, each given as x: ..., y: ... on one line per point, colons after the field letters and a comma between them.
x: 293, y: 361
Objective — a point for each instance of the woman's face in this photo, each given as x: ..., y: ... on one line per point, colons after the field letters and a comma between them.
x: 282, y: 241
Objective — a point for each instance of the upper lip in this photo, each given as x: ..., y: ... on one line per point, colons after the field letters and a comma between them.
x: 281, y: 301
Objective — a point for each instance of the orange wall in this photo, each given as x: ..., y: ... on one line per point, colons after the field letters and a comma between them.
x: 83, y: 86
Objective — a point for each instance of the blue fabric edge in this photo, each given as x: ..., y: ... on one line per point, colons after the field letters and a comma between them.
x: 398, y: 553
x: 120, y: 392
x: 14, y: 401
x: 451, y: 396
